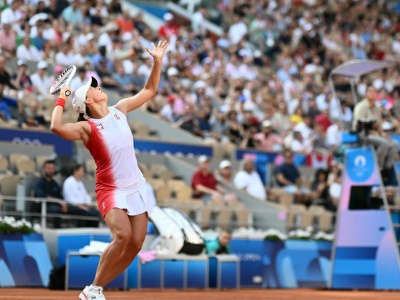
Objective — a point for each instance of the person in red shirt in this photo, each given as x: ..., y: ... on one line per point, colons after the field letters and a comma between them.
x: 323, y: 120
x: 168, y: 29
x: 125, y: 23
x: 205, y: 186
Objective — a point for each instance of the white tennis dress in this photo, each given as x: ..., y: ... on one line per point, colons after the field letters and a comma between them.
x: 119, y: 181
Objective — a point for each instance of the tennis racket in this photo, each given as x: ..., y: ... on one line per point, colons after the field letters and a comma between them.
x: 63, y: 80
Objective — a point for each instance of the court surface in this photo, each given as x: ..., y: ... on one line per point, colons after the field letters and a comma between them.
x: 244, y: 294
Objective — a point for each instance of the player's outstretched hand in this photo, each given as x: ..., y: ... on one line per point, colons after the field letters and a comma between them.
x: 158, y: 52
x: 65, y: 92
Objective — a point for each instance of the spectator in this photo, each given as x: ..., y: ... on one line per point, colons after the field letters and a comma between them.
x: 289, y: 178
x: 198, y: 21
x: 75, y: 193
x: 6, y: 104
x: 249, y: 180
x: 298, y: 145
x: 320, y: 186
x: 167, y: 112
x: 168, y: 29
x: 66, y: 56
x: 334, y: 136
x: 335, y: 191
x: 189, y: 123
x: 46, y: 187
x: 233, y: 129
x: 21, y: 79
x: 79, y: 80
x: 30, y: 121
x: 39, y: 40
x: 28, y: 52
x: 72, y: 14
x: 238, y: 30
x: 124, y: 81
x: 224, y: 173
x: 386, y: 149
x: 219, y: 245
x: 205, y: 186
x: 7, y: 40
x: 267, y: 140
x: 12, y: 15
x: 41, y: 82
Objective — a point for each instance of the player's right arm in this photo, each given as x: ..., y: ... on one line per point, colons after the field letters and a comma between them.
x: 69, y: 131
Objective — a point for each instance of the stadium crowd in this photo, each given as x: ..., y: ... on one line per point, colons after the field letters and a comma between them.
x: 262, y: 84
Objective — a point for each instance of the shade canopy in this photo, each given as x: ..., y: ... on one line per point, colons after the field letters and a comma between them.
x: 357, y: 68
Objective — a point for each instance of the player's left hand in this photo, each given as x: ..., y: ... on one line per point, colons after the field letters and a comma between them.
x: 158, y: 52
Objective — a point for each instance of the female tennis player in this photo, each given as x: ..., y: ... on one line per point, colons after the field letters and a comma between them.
x: 120, y: 185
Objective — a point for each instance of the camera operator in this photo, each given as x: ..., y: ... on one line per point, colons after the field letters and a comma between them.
x: 371, y: 132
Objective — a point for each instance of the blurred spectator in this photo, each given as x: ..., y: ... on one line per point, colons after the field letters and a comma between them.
x: 238, y: 30
x: 189, y: 123
x: 219, y: 245
x: 205, y: 186
x: 28, y: 52
x: 30, y: 122
x: 249, y: 180
x: 21, y: 79
x: 335, y: 192
x: 47, y: 187
x: 267, y: 140
x: 320, y: 186
x: 334, y: 135
x: 79, y: 79
x: 233, y: 129
x: 114, y: 7
x: 167, y: 112
x: 224, y: 173
x: 66, y: 56
x: 289, y: 178
x: 6, y: 104
x: 198, y: 21
x: 7, y: 40
x: 386, y: 149
x: 39, y: 40
x: 72, y: 14
x: 41, y: 81
x: 75, y: 193
x: 13, y: 15
x: 123, y: 81
x: 168, y: 29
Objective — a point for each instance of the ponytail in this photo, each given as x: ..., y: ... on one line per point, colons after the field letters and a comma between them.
x: 81, y: 116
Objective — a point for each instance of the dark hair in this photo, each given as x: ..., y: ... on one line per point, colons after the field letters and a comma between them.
x: 81, y: 115
x: 48, y: 162
x: 75, y: 168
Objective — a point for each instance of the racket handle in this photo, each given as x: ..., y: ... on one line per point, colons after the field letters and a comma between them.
x: 67, y: 93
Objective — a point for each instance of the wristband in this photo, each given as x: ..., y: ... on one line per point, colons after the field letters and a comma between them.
x: 60, y: 102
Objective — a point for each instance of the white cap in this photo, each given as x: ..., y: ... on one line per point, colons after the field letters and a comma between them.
x: 78, y: 102
x: 21, y: 62
x: 203, y: 159
x: 168, y: 16
x: 172, y: 71
x: 199, y: 84
x: 224, y: 164
x: 266, y: 123
x: 42, y: 65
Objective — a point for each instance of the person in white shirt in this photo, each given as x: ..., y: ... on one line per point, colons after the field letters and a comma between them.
x: 28, y: 52
x: 249, y: 180
x: 237, y: 31
x: 41, y: 82
x: 66, y: 56
x: 12, y: 15
x: 333, y: 137
x: 198, y: 21
x: 74, y: 192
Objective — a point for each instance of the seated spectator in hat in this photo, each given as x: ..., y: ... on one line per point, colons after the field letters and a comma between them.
x: 167, y: 112
x: 205, y: 186
x: 224, y: 173
x: 30, y: 121
x: 41, y: 82
x: 168, y: 29
x: 21, y: 79
x: 267, y: 139
x: 249, y: 180
x: 288, y: 177
x: 75, y: 193
x: 7, y: 40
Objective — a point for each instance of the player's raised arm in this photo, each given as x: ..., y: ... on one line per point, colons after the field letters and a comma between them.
x: 70, y: 131
x: 128, y: 104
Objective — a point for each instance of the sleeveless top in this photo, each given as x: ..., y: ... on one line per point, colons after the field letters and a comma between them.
x: 111, y: 145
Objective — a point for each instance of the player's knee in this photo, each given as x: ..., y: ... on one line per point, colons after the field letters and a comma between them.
x: 136, y: 245
x: 123, y: 238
